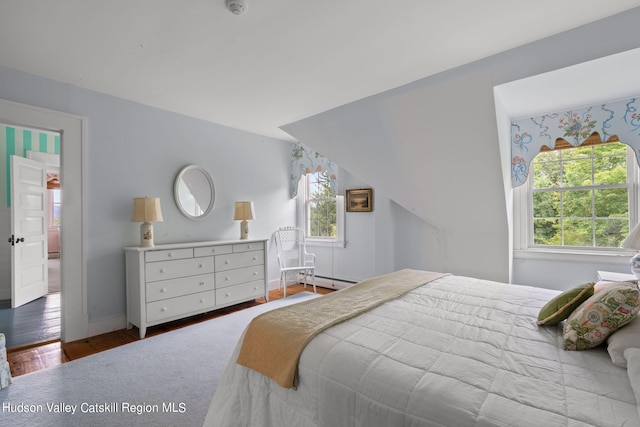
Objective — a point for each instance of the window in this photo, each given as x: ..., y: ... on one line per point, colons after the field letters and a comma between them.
x: 581, y: 197
x: 323, y: 209
x: 55, y: 218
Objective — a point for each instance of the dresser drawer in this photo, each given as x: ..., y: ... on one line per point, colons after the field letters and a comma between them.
x: 166, y: 270
x: 240, y: 260
x: 178, y: 307
x: 237, y: 293
x: 153, y: 256
x: 213, y: 250
x: 165, y: 289
x: 249, y: 246
x: 234, y: 277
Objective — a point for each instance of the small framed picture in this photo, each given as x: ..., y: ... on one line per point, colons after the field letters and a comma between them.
x: 360, y: 200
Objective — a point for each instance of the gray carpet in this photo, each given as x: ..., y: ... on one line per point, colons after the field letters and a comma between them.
x: 165, y: 380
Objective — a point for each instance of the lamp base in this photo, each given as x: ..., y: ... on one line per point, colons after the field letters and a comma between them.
x: 634, y: 262
x: 244, y: 230
x: 146, y: 235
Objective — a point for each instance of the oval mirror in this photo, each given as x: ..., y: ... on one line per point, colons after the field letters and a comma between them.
x: 194, y: 192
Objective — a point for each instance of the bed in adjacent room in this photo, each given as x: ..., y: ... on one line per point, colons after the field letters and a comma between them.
x: 454, y: 351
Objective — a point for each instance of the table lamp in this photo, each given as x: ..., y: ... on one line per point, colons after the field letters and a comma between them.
x: 244, y: 212
x: 146, y: 210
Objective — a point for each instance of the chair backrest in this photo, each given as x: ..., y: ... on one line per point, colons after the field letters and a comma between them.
x: 290, y: 243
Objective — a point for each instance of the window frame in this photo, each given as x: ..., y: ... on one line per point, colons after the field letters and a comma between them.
x: 52, y: 205
x: 304, y: 216
x: 523, y: 246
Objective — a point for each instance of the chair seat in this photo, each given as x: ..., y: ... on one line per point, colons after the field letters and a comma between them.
x: 297, y: 268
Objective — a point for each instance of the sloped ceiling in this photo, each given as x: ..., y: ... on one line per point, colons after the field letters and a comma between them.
x: 433, y: 145
x: 281, y: 61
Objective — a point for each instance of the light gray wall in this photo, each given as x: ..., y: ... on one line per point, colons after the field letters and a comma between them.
x: 562, y: 275
x: 132, y: 151
x: 387, y: 239
x: 433, y: 146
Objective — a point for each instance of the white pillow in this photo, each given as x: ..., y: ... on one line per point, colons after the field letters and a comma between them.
x: 633, y: 369
x: 626, y: 337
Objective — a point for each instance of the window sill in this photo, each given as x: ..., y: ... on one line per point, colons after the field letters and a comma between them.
x: 615, y: 255
x: 328, y: 243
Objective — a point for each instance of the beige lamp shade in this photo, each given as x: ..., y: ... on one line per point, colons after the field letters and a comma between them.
x: 146, y: 209
x: 244, y: 211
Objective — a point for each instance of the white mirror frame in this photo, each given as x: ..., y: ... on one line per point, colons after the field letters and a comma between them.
x: 178, y: 188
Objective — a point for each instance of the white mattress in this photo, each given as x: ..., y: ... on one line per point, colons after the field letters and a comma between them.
x: 455, y: 352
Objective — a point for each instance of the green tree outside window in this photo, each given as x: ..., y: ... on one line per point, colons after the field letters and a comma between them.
x: 321, y: 206
x: 580, y: 196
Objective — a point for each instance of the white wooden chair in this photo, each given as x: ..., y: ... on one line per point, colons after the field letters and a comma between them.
x: 293, y: 256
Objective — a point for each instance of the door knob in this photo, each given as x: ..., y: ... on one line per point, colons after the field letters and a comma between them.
x: 15, y: 241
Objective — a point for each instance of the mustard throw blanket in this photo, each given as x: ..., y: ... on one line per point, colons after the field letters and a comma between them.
x: 274, y: 340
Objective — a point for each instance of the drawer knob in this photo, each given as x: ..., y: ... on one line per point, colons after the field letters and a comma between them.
x: 255, y: 258
x: 255, y: 273
x: 249, y: 247
x: 163, y: 289
x: 201, y: 300
x: 200, y: 266
x: 163, y: 309
x: 162, y: 270
x: 170, y: 255
x: 227, y: 294
x: 226, y: 262
x: 201, y: 283
x: 227, y: 278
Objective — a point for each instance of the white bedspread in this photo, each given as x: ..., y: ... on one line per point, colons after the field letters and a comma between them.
x: 456, y: 352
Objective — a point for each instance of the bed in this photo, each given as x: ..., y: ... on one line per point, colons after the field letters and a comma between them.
x: 456, y: 351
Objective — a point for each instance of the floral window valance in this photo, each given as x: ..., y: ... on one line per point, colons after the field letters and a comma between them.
x: 303, y: 161
x: 620, y: 118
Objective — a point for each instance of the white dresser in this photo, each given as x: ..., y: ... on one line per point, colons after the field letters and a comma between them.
x: 169, y: 282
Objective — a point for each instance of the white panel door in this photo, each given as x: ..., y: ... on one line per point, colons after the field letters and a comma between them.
x: 29, y: 264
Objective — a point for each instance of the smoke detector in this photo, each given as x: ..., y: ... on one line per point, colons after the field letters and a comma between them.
x: 237, y: 7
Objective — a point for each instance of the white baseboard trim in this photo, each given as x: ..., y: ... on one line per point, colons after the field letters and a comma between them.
x: 73, y: 328
x: 107, y: 325
x: 327, y: 282
x: 273, y: 285
x: 320, y: 281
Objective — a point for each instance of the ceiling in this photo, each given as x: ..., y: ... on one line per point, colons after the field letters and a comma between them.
x: 523, y: 98
x: 281, y: 61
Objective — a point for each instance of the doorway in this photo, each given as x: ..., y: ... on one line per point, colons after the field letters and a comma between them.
x: 33, y: 314
x: 74, y: 316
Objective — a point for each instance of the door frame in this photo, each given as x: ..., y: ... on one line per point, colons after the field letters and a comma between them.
x: 73, y: 269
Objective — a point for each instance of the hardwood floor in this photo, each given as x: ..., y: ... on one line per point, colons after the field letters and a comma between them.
x: 33, y: 358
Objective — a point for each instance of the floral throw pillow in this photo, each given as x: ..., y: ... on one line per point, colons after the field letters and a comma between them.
x: 601, y: 315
